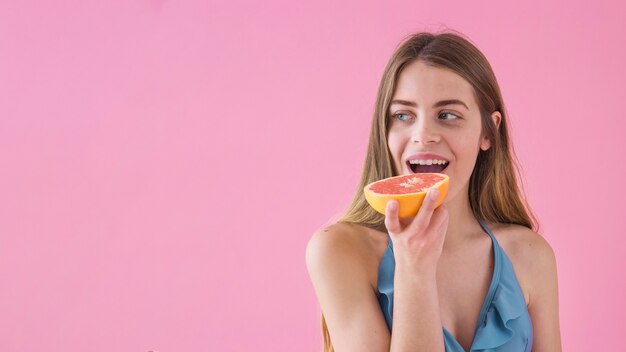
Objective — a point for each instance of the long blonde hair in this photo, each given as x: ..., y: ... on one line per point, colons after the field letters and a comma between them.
x: 494, y: 190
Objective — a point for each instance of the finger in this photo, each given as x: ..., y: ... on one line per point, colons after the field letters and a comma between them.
x: 422, y: 219
x: 391, y: 217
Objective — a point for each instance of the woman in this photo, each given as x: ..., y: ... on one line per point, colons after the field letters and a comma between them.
x: 471, y: 274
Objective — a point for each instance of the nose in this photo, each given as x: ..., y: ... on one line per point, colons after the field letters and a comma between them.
x: 424, y: 132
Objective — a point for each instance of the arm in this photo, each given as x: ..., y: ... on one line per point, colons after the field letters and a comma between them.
x: 543, y: 304
x: 416, y: 318
x: 355, y: 322
x: 337, y: 268
x: 417, y: 247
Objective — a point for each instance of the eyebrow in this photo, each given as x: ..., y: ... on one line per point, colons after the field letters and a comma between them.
x: 436, y: 105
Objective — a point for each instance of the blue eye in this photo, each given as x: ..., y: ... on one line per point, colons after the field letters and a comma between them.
x: 447, y: 113
x: 401, y: 114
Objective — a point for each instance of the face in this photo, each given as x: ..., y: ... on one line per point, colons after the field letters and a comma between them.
x: 429, y: 130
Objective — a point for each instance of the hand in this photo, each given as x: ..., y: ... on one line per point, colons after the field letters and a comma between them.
x: 418, y: 242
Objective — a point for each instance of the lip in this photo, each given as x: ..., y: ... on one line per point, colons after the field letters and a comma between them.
x: 426, y: 156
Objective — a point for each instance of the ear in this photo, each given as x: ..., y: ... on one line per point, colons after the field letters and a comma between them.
x: 486, y: 143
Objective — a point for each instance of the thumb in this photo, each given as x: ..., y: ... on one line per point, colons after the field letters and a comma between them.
x: 391, y: 217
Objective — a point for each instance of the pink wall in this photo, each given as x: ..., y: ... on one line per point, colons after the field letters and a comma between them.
x: 165, y: 162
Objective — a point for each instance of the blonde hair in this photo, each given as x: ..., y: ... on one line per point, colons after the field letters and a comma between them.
x: 494, y: 190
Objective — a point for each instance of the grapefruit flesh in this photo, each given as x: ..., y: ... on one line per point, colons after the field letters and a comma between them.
x: 408, y: 190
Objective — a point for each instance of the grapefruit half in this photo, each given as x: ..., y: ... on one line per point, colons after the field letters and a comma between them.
x: 408, y: 190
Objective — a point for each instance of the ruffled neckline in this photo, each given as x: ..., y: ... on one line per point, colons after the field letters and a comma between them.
x: 500, y: 307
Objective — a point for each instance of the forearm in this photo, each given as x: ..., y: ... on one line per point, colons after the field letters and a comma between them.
x: 416, y: 316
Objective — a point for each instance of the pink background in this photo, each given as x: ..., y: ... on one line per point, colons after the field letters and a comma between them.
x: 166, y: 162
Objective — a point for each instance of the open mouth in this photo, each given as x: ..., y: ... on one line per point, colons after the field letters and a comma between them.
x: 423, y: 166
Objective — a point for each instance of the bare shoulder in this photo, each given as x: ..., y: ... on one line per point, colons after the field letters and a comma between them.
x: 336, y: 240
x: 340, y: 245
x: 532, y: 256
x: 524, y: 246
x: 523, y: 242
x: 356, y: 248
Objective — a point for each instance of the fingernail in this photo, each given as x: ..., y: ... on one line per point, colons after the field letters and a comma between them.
x: 433, y: 193
x: 393, y: 205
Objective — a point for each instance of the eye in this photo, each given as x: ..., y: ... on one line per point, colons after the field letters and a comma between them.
x: 453, y: 116
x: 399, y: 116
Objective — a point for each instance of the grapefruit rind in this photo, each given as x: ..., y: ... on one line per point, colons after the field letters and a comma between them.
x: 409, y: 203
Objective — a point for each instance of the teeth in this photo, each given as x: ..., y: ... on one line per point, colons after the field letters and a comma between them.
x: 428, y: 162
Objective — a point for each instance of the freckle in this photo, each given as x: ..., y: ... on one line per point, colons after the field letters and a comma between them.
x: 325, y: 230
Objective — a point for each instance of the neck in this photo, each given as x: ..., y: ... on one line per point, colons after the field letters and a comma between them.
x: 461, y: 221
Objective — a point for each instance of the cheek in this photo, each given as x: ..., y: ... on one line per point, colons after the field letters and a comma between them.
x: 394, y: 142
x: 468, y: 147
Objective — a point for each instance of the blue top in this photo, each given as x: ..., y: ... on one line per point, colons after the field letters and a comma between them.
x: 503, y: 323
